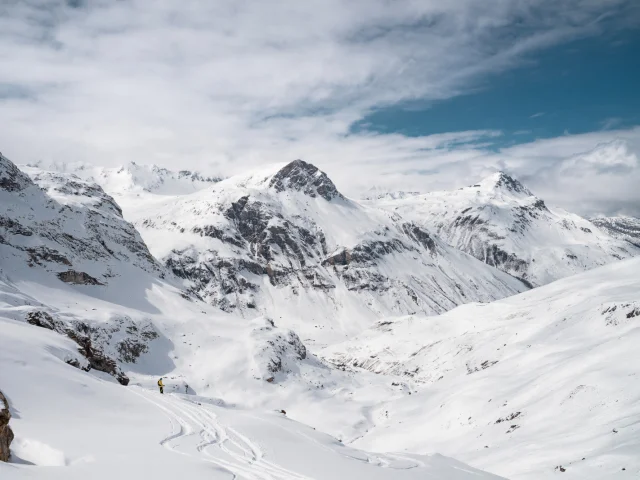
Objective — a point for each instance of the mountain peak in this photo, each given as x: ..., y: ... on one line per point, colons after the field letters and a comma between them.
x: 304, y: 177
x: 502, y: 181
x: 12, y: 179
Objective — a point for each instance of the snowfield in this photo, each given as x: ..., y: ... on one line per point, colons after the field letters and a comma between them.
x: 73, y: 425
x: 300, y: 335
x: 544, y: 379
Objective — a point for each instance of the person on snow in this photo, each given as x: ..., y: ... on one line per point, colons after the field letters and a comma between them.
x: 161, y: 385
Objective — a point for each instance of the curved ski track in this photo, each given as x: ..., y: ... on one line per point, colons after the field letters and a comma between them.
x: 196, y: 432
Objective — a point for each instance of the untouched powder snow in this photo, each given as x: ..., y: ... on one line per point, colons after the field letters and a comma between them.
x: 500, y: 222
x: 522, y: 386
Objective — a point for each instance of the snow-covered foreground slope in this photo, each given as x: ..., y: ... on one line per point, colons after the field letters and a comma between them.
x: 72, y: 425
x: 623, y: 228
x: 548, y: 378
x: 285, y: 242
x: 500, y: 222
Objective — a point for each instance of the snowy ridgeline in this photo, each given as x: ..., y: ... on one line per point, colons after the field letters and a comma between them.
x: 275, y: 242
x: 83, y: 305
x: 500, y: 222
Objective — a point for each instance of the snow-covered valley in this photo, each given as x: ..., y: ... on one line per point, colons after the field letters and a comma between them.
x: 271, y: 293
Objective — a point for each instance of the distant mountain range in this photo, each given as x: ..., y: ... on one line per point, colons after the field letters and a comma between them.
x: 501, y: 222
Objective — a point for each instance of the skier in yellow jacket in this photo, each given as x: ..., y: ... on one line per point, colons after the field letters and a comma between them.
x: 161, y: 385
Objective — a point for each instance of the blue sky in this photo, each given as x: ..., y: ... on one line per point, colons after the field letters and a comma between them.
x: 582, y: 86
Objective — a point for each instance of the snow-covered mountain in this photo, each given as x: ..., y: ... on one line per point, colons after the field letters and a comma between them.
x: 80, y: 297
x: 547, y: 379
x: 623, y: 228
x: 132, y: 178
x: 64, y: 224
x: 285, y: 242
x: 500, y: 222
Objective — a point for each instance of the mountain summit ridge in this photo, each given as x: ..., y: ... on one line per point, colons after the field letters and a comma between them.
x: 501, y: 222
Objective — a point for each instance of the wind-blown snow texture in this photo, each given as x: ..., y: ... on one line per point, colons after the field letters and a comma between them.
x: 500, y: 222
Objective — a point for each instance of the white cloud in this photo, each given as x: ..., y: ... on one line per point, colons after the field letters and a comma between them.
x: 227, y: 85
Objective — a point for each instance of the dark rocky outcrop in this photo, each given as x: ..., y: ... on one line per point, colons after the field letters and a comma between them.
x: 6, y: 434
x: 42, y: 255
x: 304, y: 177
x: 90, y: 340
x: 11, y: 177
x: 511, y: 184
x: 624, y: 228
x: 78, y: 278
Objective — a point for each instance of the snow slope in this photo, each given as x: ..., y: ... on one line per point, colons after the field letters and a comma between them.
x: 286, y: 243
x: 544, y: 379
x: 66, y: 222
x: 500, y: 222
x: 623, y: 228
x: 92, y: 428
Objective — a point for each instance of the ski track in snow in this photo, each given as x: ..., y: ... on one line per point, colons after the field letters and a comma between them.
x: 197, y: 432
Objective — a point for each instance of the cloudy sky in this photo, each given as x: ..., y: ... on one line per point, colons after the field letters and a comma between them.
x: 403, y: 94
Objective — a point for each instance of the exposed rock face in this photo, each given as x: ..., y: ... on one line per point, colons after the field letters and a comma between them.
x: 11, y: 178
x: 277, y: 352
x: 624, y: 228
x: 54, y: 222
x: 304, y: 177
x: 121, y: 340
x: 78, y: 278
x: 6, y: 434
